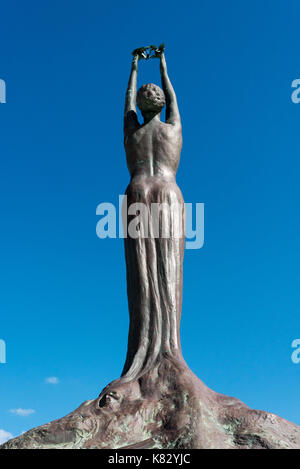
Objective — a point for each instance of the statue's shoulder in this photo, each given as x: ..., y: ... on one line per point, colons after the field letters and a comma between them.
x: 171, y: 129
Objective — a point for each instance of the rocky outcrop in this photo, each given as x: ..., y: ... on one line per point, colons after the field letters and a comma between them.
x: 168, y: 407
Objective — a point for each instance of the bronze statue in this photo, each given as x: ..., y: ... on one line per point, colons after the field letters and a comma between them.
x: 154, y: 265
x: 158, y: 402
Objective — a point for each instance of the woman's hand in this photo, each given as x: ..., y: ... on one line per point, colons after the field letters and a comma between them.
x: 158, y: 51
x: 138, y: 54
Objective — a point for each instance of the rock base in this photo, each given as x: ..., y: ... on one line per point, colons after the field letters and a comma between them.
x: 168, y: 407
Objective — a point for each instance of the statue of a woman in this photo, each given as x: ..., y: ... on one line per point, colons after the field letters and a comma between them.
x: 154, y: 258
x: 158, y: 402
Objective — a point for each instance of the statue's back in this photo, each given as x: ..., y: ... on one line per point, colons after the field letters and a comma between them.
x: 153, y: 149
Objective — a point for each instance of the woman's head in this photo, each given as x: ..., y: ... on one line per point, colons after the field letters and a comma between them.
x: 150, y: 98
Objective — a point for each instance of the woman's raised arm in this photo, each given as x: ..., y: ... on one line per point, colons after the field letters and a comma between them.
x: 130, y: 115
x: 172, y: 111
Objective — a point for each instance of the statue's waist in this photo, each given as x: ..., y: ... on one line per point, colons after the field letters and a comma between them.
x: 153, y: 189
x: 150, y: 166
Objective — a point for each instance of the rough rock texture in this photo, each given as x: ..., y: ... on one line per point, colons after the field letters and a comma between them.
x: 169, y: 407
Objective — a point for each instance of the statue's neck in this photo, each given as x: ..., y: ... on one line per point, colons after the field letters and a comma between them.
x: 149, y: 116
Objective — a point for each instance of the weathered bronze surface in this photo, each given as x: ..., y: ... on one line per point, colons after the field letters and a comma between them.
x: 154, y: 265
x: 158, y: 402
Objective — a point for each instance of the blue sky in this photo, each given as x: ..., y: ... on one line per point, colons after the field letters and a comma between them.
x: 63, y: 293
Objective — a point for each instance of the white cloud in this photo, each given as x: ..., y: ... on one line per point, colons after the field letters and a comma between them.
x: 52, y: 380
x: 4, y: 436
x: 22, y: 412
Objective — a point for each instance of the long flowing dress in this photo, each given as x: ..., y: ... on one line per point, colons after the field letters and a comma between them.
x: 154, y: 277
